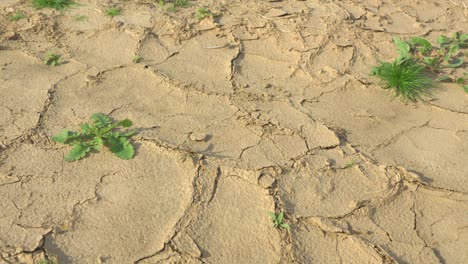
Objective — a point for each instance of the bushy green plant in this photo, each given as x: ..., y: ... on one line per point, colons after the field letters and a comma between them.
x: 17, y: 16
x: 408, y: 74
x: 55, y: 4
x: 203, y: 13
x: 405, y: 78
x: 93, y: 135
x: 113, y: 11
x: 53, y: 59
x: 278, y: 220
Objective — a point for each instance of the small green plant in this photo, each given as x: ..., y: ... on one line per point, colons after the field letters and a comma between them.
x: 350, y: 164
x: 203, y: 13
x: 175, y: 5
x: 419, y: 58
x: 113, y: 11
x: 406, y: 78
x: 52, y: 260
x: 55, y: 4
x: 93, y: 135
x: 136, y: 59
x: 278, y: 220
x: 17, y: 16
x: 53, y: 59
x: 80, y: 18
x: 182, y: 3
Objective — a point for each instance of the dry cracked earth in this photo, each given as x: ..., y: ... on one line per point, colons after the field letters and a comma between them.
x: 267, y: 107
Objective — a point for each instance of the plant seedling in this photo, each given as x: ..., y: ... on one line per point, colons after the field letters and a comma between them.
x: 113, y: 11
x: 48, y: 261
x: 406, y: 78
x: 350, y: 164
x: 278, y: 220
x: 80, y: 18
x: 203, y: 13
x: 175, y: 4
x: 137, y: 59
x: 55, y: 4
x: 181, y: 3
x: 53, y: 59
x: 417, y: 58
x: 17, y: 16
x: 93, y: 135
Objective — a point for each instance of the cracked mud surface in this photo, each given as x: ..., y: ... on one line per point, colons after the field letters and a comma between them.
x: 269, y: 107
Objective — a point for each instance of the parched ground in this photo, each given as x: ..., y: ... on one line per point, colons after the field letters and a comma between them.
x: 268, y: 107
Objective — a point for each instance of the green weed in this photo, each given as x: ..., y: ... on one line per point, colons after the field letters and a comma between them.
x: 93, y: 135
x: 350, y: 164
x: 203, y: 13
x: 278, y: 220
x: 175, y: 5
x: 52, y: 260
x: 80, y: 18
x: 182, y: 3
x: 417, y: 58
x: 113, y: 11
x: 53, y: 59
x: 406, y: 78
x: 55, y: 4
x: 137, y: 59
x: 17, y: 16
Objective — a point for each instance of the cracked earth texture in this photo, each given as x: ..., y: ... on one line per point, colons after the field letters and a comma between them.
x: 267, y: 107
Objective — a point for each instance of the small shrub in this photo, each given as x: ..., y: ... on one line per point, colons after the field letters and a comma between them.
x: 17, y: 16
x: 53, y: 59
x: 405, y: 78
x: 203, y: 13
x: 278, y: 220
x: 54, y: 4
x: 93, y: 135
x: 80, y: 18
x: 112, y: 12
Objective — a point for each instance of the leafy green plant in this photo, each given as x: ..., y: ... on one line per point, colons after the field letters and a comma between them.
x: 80, y: 18
x: 278, y: 220
x: 203, y: 13
x: 418, y: 52
x: 175, y: 5
x: 182, y: 3
x: 406, y: 78
x: 93, y: 135
x: 55, y: 4
x: 52, y: 260
x: 113, y: 11
x: 137, y: 59
x: 53, y: 59
x: 17, y: 16
x: 350, y: 164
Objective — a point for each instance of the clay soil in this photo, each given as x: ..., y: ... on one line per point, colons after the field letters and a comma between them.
x: 267, y: 107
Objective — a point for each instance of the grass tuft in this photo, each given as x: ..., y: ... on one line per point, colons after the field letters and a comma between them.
x: 406, y: 78
x: 112, y: 12
x: 54, y: 4
x: 17, y: 16
x: 52, y: 59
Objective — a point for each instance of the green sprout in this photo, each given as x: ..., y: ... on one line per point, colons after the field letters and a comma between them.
x: 350, y: 164
x: 93, y: 135
x: 80, y: 18
x: 113, y: 11
x: 54, y: 4
x: 203, y: 13
x: 17, y: 16
x: 278, y: 220
x: 418, y: 58
x: 137, y: 59
x: 406, y: 78
x: 53, y: 59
